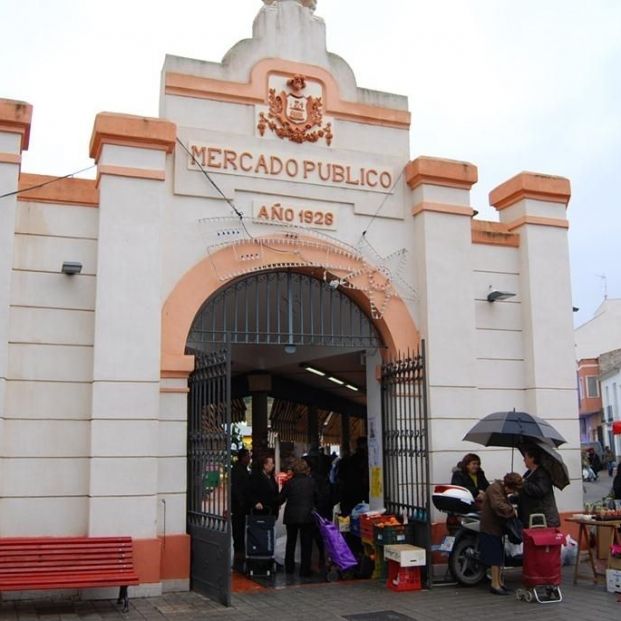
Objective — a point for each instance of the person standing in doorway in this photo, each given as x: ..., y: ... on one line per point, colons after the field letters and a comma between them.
x: 300, y: 495
x: 323, y: 502
x: 263, y: 488
x: 240, y: 478
x: 354, y: 477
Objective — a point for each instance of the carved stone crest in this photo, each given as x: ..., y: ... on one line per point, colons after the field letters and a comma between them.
x: 295, y: 116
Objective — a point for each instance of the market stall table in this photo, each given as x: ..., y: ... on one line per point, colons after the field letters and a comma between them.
x: 583, y: 533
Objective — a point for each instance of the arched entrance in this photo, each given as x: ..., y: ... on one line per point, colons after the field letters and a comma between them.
x: 279, y: 316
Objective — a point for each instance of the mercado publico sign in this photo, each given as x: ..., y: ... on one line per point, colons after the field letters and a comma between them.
x: 285, y: 167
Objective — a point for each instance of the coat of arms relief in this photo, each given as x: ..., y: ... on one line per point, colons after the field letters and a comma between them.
x: 294, y: 115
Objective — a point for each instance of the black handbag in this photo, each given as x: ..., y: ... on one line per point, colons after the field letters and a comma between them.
x: 513, y: 530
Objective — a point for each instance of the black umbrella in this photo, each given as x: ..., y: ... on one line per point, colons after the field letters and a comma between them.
x: 551, y: 461
x: 513, y: 428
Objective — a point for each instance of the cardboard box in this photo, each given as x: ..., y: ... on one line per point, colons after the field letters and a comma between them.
x: 614, y: 562
x: 405, y: 554
x: 613, y: 581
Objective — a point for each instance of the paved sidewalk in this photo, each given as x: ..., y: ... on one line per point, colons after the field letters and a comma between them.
x: 335, y: 601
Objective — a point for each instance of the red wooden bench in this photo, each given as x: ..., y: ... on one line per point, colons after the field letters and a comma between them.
x: 41, y: 563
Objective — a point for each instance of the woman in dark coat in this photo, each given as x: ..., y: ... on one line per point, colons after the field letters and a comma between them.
x: 469, y: 475
x: 263, y: 488
x: 494, y: 514
x: 537, y: 495
x: 300, y: 495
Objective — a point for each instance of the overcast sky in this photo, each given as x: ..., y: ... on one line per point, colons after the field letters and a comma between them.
x: 509, y: 85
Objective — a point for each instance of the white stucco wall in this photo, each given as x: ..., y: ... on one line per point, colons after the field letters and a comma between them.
x: 45, y: 442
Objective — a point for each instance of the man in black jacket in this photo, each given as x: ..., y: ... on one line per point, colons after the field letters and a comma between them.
x: 239, y: 498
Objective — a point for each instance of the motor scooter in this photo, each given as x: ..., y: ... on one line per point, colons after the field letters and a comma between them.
x: 463, y: 547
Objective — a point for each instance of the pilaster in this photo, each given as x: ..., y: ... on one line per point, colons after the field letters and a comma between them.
x: 15, y: 119
x: 534, y: 206
x: 442, y: 241
x: 131, y: 154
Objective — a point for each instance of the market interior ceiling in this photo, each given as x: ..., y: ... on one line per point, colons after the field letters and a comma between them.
x: 290, y: 381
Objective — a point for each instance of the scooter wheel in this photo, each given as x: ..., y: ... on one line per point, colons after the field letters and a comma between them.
x: 528, y: 596
x: 519, y: 594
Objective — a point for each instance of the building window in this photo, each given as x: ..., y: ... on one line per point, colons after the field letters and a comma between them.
x: 592, y: 386
x: 581, y: 388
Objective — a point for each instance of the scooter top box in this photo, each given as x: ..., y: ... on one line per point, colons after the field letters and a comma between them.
x: 453, y: 499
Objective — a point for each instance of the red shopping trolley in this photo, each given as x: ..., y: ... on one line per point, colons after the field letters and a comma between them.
x: 541, y: 573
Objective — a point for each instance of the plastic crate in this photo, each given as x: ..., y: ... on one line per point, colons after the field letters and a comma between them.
x: 403, y: 578
x: 366, y: 525
x: 384, y: 534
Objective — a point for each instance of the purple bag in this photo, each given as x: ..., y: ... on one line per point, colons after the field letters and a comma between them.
x: 336, y: 547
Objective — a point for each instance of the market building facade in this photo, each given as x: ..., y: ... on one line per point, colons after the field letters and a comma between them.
x: 270, y: 219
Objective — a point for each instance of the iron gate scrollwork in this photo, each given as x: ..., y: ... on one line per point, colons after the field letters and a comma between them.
x: 406, y: 444
x: 209, y: 493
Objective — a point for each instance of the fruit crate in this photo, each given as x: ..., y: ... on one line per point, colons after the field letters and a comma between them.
x: 388, y: 534
x: 366, y: 525
x: 403, y: 578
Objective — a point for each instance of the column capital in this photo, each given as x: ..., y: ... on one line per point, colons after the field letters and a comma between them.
x: 530, y: 185
x: 436, y: 171
x: 131, y: 131
x: 15, y: 118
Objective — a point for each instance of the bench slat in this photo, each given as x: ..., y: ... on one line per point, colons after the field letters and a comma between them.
x: 77, y: 575
x: 14, y: 550
x: 62, y: 540
x: 61, y: 558
x: 70, y: 582
x: 69, y: 568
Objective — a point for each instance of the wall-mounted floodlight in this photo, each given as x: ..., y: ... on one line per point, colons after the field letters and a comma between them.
x: 494, y: 295
x: 71, y: 267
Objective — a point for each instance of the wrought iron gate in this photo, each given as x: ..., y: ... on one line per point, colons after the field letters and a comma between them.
x: 209, y: 493
x: 282, y: 308
x: 406, y: 443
